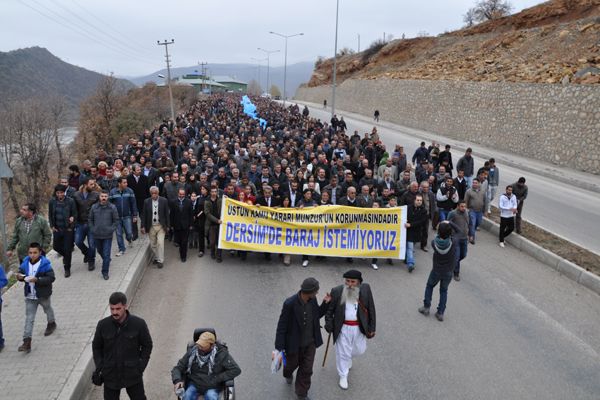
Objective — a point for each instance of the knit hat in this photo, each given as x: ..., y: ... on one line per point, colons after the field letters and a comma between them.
x: 309, y: 285
x: 353, y: 274
x: 207, y: 338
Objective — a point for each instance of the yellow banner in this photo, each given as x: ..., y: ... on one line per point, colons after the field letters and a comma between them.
x: 334, y: 231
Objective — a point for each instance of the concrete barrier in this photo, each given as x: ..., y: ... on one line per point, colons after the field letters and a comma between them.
x: 556, y: 262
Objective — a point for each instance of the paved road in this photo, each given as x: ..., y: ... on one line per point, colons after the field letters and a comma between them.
x: 563, y: 209
x: 514, y: 328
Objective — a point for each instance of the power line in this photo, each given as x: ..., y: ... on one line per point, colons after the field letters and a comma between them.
x: 119, y: 41
x: 107, y: 25
x: 73, y: 27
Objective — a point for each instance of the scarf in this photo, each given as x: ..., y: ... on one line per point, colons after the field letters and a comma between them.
x: 200, y: 359
x: 442, y: 245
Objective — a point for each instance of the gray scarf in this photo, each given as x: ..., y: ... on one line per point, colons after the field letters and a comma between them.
x: 200, y: 359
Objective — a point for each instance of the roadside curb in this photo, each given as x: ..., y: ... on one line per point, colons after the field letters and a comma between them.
x: 80, y: 380
x: 483, y: 153
x: 559, y: 264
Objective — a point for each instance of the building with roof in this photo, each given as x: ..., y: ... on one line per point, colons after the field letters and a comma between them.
x: 232, y: 83
x: 202, y: 83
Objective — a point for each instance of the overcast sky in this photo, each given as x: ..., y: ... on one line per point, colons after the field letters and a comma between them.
x: 120, y: 35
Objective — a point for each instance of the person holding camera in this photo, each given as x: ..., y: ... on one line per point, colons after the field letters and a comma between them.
x: 121, y: 348
x: 447, y: 198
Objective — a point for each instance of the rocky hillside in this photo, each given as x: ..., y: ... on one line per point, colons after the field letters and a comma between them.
x: 555, y: 42
x: 37, y: 72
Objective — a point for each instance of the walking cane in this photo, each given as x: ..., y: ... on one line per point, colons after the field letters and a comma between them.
x: 326, y: 350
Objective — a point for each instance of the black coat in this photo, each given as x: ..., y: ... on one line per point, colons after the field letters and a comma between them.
x: 121, y: 352
x: 181, y: 218
x: 262, y: 201
x: 225, y: 369
x: 140, y: 190
x: 289, y: 328
x: 336, y: 311
x: 417, y: 218
x: 163, y: 214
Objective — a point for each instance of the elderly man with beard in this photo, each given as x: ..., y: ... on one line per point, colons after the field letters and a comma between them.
x: 350, y: 318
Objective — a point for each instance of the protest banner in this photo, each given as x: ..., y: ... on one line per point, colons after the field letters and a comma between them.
x: 333, y: 231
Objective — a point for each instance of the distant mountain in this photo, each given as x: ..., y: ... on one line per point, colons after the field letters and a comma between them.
x: 36, y: 72
x: 297, y: 74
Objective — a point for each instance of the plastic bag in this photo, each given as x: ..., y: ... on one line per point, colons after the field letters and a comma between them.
x: 277, y: 360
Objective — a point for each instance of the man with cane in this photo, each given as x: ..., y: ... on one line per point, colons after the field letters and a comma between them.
x: 299, y: 334
x: 351, y: 318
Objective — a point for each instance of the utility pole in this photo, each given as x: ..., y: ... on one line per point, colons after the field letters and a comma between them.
x: 202, y: 64
x: 337, y: 8
x: 269, y: 52
x: 286, y: 37
x: 358, y: 51
x: 166, y: 44
x: 258, y: 61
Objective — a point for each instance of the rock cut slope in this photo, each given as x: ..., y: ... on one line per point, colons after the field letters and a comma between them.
x: 555, y: 42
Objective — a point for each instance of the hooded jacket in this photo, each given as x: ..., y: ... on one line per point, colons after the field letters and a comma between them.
x: 444, y: 251
x: 45, y: 277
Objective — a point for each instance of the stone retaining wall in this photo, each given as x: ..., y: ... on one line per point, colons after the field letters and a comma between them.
x: 552, y: 123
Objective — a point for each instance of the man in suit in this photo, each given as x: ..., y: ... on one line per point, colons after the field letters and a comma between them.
x: 299, y: 334
x: 267, y: 200
x: 181, y: 221
x: 138, y: 182
x: 212, y: 212
x: 155, y: 222
x: 350, y: 317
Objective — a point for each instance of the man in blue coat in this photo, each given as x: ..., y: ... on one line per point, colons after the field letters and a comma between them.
x: 3, y: 282
x: 37, y: 274
x: 299, y: 334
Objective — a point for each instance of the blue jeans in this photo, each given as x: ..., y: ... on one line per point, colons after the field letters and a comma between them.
x: 443, y: 214
x: 1, y: 333
x: 81, y: 231
x: 104, y: 247
x: 444, y: 281
x: 469, y: 180
x: 124, y: 224
x: 475, y: 218
x: 461, y: 253
x: 410, y: 253
x: 191, y: 393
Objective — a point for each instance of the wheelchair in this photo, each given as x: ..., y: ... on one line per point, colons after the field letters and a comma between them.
x: 227, y: 391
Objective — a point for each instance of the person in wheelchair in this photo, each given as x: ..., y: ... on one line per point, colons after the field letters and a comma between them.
x: 204, y: 369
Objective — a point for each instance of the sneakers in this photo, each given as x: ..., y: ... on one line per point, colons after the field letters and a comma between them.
x: 457, y: 277
x: 471, y: 240
x: 50, y: 328
x: 91, y: 266
x: 343, y: 383
x: 374, y: 266
x: 159, y: 265
x: 305, y: 263
x: 105, y: 276
x: 67, y: 273
x: 424, y: 249
x: 501, y: 244
x: 119, y: 254
x: 424, y: 310
x: 200, y: 253
x: 440, y: 317
x: 411, y: 268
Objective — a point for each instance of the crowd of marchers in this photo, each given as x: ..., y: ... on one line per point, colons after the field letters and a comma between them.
x: 168, y: 182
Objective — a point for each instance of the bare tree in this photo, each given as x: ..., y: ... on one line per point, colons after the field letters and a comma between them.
x: 274, y: 91
x: 486, y: 10
x: 469, y: 17
x: 57, y: 112
x: 28, y: 138
x: 254, y: 88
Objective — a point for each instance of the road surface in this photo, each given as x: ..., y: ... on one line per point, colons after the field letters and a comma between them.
x: 563, y: 209
x: 514, y: 328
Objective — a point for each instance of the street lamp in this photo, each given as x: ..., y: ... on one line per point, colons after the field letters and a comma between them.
x: 269, y: 52
x: 285, y: 62
x: 258, y: 61
x: 337, y: 8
